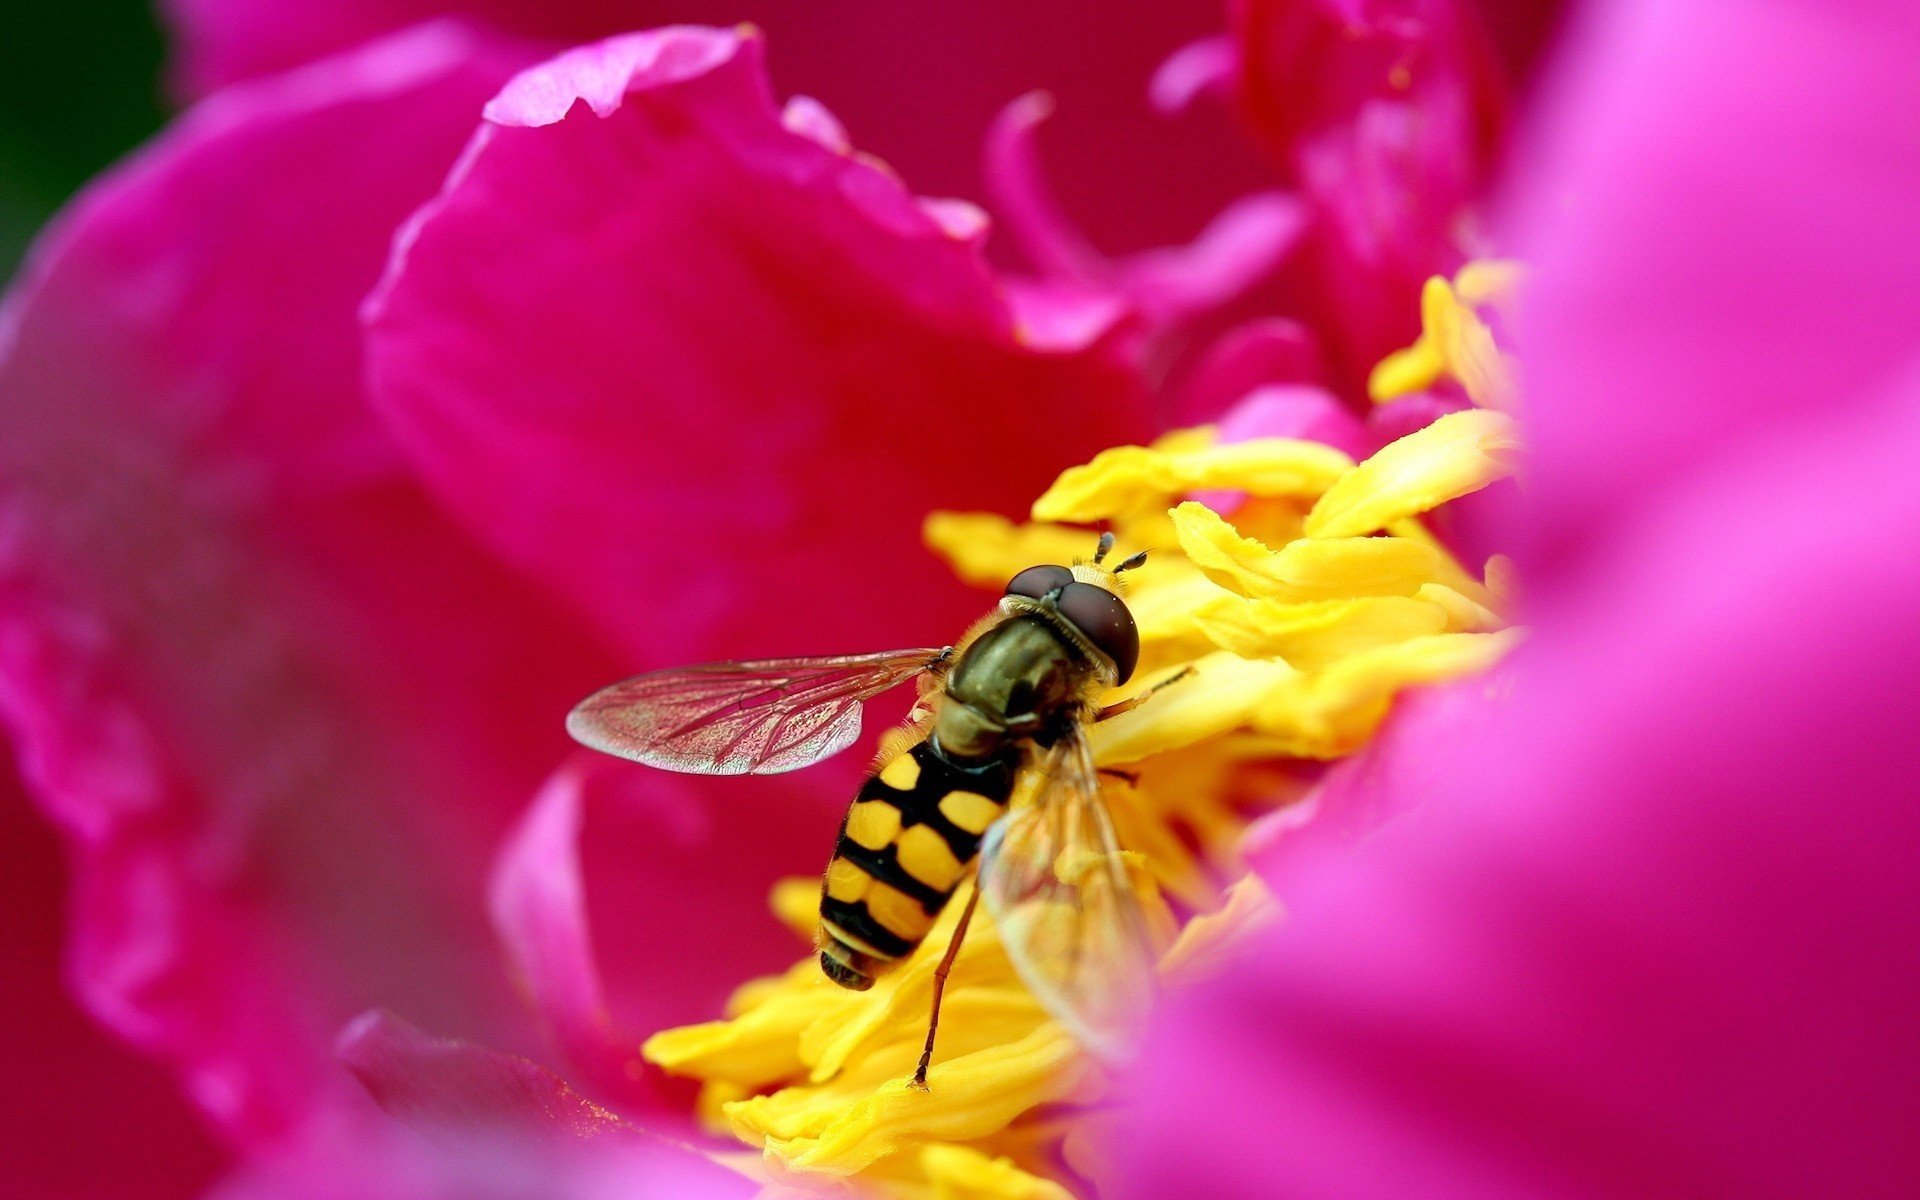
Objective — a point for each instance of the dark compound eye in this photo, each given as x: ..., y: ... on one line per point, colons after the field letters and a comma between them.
x: 1036, y: 582
x: 1105, y: 619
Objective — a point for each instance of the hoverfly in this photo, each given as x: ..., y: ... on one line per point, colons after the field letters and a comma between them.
x: 1010, y: 699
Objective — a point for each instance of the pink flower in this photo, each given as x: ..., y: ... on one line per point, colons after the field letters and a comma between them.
x: 362, y: 423
x: 1647, y: 928
x: 406, y: 390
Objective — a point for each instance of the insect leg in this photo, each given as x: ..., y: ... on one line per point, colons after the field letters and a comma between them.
x: 940, y: 973
x: 1133, y: 702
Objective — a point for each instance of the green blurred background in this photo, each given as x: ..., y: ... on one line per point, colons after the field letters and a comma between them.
x: 79, y: 86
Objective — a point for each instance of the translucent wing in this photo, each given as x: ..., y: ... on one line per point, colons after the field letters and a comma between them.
x: 742, y: 718
x: 1057, y: 886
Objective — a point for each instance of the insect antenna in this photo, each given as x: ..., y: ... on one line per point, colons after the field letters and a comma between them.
x: 1105, y: 547
x: 1130, y: 562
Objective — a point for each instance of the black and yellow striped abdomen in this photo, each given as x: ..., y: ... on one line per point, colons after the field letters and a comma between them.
x: 903, y: 849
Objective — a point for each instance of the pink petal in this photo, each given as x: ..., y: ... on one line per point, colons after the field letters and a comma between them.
x: 225, y: 41
x: 1246, y: 243
x: 1638, y: 939
x: 1396, y: 419
x: 433, y: 1082
x: 1204, y: 67
x: 1295, y: 411
x: 639, y: 347
x: 378, y: 1159
x: 277, y: 705
x: 917, y: 84
x: 1386, y: 116
x: 679, y: 885
x: 1394, y: 776
x: 1269, y: 350
x: 1646, y: 932
x: 62, y: 1077
x: 1801, y: 296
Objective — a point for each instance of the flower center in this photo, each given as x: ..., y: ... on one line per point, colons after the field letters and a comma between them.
x: 1299, y: 611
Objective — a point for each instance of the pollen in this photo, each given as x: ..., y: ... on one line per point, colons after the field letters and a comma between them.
x: 1292, y: 621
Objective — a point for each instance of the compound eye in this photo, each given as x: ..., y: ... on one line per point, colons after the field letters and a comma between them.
x: 1107, y: 622
x: 1035, y: 582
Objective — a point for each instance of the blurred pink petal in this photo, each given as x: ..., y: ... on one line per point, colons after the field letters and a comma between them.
x: 437, y: 1083
x: 539, y: 907
x: 1803, y: 295
x: 1269, y: 350
x: 1204, y: 67
x: 1385, y: 114
x: 62, y: 1077
x: 1647, y: 933
x: 1283, y: 410
x: 378, y: 1159
x: 276, y: 704
x: 629, y: 901
x: 916, y: 84
x: 673, y: 322
x: 1398, y: 772
x: 225, y: 41
x: 1247, y: 242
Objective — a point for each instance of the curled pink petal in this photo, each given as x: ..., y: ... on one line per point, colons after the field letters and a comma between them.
x: 1248, y: 356
x: 1199, y: 68
x: 1295, y: 411
x: 227, y: 649
x: 1017, y: 186
x: 569, y: 336
x: 680, y: 894
x: 889, y: 71
x: 965, y: 221
x: 540, y: 910
x: 1245, y: 244
x: 804, y: 114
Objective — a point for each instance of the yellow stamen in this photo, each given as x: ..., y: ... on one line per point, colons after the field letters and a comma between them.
x: 1454, y: 342
x: 1298, y: 618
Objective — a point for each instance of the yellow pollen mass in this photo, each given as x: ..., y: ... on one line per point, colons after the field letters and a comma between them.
x: 1294, y: 621
x: 873, y: 823
x: 969, y: 810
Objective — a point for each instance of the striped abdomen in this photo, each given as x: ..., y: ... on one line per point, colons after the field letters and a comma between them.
x: 903, y: 849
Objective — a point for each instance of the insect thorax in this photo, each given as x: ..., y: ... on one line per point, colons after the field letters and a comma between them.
x: 1020, y: 680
